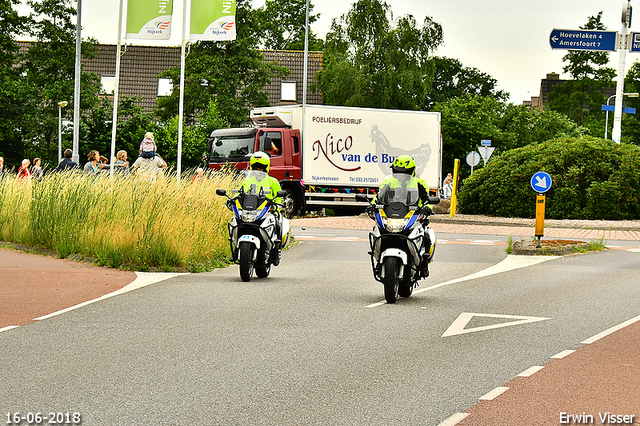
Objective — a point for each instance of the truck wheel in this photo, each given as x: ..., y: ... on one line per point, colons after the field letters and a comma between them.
x: 390, y: 281
x: 246, y: 261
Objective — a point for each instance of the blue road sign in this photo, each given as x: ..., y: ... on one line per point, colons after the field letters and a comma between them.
x: 583, y: 40
x: 541, y: 182
x: 626, y: 110
x: 485, y: 142
x: 634, y: 46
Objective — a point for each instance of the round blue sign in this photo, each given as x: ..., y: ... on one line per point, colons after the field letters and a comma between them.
x: 541, y: 182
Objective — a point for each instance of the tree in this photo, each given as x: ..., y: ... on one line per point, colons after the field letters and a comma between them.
x: 582, y: 97
x: 471, y: 118
x: 283, y: 23
x: 12, y: 89
x: 453, y: 80
x: 233, y: 73
x: 370, y: 63
x: 49, y: 74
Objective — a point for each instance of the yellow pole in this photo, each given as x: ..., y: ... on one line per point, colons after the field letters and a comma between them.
x: 454, y: 192
x: 540, y: 206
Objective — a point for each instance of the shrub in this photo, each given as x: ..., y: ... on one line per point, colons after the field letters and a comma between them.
x: 592, y: 179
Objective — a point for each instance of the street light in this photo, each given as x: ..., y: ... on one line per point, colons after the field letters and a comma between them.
x: 60, y: 106
x: 606, y: 124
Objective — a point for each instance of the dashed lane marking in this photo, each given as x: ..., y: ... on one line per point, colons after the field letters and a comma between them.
x: 530, y: 371
x: 563, y: 354
x: 494, y: 393
x: 454, y: 420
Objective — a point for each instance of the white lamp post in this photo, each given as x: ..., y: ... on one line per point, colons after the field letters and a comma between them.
x: 60, y: 106
x: 606, y: 124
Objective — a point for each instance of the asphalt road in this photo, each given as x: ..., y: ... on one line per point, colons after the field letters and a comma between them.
x: 311, y: 345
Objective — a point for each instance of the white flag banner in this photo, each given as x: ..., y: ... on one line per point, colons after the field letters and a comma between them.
x: 213, y: 20
x: 149, y: 19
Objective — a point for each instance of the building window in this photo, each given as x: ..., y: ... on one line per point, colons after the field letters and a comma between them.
x: 108, y: 84
x: 165, y: 86
x: 288, y: 91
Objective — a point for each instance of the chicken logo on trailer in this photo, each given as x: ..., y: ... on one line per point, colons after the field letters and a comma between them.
x: 359, y: 146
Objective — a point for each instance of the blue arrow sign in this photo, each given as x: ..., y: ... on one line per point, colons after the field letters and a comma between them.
x: 485, y: 142
x: 583, y: 39
x: 541, y: 182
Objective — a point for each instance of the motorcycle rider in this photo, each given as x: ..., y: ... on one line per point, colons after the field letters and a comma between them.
x: 260, y: 161
x: 405, y: 164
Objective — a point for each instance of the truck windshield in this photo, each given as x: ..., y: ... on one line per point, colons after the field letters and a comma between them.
x: 236, y: 147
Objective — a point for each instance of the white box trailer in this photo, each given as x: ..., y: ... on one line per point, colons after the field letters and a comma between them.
x: 347, y: 148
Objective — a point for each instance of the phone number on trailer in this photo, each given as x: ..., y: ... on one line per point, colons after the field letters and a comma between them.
x: 40, y: 418
x: 359, y: 179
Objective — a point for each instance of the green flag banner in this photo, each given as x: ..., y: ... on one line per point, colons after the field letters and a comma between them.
x: 149, y: 19
x: 213, y: 20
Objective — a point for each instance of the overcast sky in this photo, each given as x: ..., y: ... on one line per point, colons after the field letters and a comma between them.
x: 507, y: 39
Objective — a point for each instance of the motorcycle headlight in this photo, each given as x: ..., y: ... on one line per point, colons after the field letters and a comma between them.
x: 249, y: 215
x: 395, y: 225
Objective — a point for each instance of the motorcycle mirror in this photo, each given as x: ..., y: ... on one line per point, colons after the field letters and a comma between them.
x: 282, y: 193
x: 361, y: 197
x: 221, y: 192
x: 434, y: 200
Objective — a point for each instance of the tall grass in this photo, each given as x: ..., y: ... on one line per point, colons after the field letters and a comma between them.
x: 121, y: 221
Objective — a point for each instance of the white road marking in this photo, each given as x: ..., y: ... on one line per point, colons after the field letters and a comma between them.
x: 634, y: 250
x: 563, y: 354
x: 454, y: 420
x: 611, y: 330
x: 144, y: 279
x: 530, y: 371
x: 7, y: 328
x: 510, y: 263
x: 494, y: 393
x: 458, y: 326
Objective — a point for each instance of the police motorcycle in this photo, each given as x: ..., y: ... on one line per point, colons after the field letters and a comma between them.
x: 402, y: 243
x: 255, y: 238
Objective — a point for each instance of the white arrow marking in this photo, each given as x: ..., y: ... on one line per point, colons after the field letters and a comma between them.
x: 458, y: 326
x: 555, y: 38
x: 541, y: 181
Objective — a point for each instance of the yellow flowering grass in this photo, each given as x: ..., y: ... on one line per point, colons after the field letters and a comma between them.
x: 121, y: 222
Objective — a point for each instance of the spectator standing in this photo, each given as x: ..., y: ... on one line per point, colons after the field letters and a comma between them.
x: 148, y: 146
x: 94, y: 165
x: 121, y: 164
x: 447, y: 187
x: 23, y: 171
x: 2, y: 170
x: 148, y: 167
x: 36, y: 170
x: 199, y: 176
x: 67, y: 163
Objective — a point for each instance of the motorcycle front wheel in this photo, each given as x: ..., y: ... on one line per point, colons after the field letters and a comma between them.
x: 390, y: 281
x: 246, y: 261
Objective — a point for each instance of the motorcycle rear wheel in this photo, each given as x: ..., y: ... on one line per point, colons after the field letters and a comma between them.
x: 405, y: 291
x: 390, y: 281
x: 263, y: 270
x: 246, y: 261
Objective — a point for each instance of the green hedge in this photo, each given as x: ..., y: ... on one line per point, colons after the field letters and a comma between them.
x: 592, y: 179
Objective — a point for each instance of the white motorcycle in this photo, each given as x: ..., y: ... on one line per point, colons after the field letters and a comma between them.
x: 256, y: 243
x: 401, y: 240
